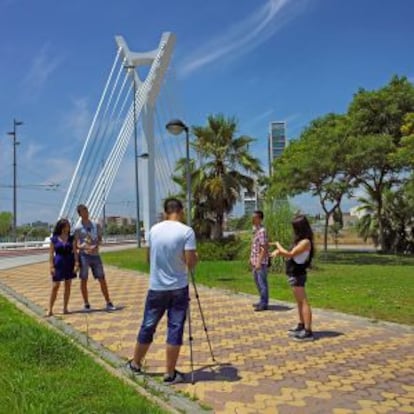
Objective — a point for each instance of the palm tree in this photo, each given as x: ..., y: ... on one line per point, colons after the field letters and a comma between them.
x: 397, y: 220
x: 367, y: 225
x: 200, y: 218
x: 226, y: 167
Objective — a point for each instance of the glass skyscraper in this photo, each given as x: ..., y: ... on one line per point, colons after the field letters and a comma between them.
x: 277, y: 141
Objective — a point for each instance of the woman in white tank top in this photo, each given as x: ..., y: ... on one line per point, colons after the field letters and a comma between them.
x: 298, y: 259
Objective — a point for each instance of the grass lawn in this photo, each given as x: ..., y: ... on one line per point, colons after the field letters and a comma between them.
x: 366, y: 284
x: 42, y: 372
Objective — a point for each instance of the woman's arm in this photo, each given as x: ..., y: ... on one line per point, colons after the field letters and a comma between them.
x: 303, y: 246
x: 51, y: 257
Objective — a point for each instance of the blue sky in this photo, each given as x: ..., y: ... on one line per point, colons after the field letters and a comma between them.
x: 257, y: 60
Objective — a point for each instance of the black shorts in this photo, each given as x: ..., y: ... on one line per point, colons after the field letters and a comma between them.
x: 297, y: 281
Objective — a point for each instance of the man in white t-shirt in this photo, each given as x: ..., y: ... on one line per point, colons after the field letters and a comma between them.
x: 172, y: 254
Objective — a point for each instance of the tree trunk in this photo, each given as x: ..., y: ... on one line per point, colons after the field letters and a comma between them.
x: 381, y: 238
x: 325, y: 232
x: 217, y: 233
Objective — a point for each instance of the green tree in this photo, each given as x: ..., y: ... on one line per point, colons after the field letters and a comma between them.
x: 6, y: 219
x: 317, y: 163
x: 226, y: 167
x: 405, y: 153
x: 367, y: 225
x: 376, y: 121
x: 112, y: 229
x: 397, y: 219
x: 200, y: 215
x: 382, y: 111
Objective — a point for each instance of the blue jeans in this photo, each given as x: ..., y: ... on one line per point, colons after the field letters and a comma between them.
x: 260, y: 277
x: 175, y: 302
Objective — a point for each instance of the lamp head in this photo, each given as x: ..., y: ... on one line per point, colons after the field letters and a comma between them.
x: 176, y: 127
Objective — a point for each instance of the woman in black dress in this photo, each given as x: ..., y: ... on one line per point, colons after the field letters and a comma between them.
x: 64, y: 263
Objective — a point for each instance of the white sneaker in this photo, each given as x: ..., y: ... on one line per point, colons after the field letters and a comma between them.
x: 110, y: 307
x: 174, y: 379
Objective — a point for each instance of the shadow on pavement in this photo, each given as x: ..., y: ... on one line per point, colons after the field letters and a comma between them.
x: 279, y: 308
x: 96, y: 310
x: 326, y: 334
x: 213, y: 372
x: 216, y: 372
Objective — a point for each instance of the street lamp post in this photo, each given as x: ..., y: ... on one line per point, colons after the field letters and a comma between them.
x: 137, y: 227
x: 176, y: 127
x: 15, y: 143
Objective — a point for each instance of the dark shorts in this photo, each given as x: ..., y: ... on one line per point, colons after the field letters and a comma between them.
x: 175, y: 303
x: 297, y: 281
x: 87, y: 261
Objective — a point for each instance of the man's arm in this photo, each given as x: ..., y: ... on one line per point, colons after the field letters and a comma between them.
x: 99, y: 233
x: 76, y: 242
x: 263, y: 249
x: 191, y: 259
x: 190, y: 252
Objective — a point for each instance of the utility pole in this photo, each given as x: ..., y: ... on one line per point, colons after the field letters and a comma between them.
x: 15, y: 143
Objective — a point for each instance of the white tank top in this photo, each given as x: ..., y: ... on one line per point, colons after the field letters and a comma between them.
x: 301, y: 257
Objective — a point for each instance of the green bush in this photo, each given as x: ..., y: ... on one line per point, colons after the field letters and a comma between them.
x: 229, y: 248
x: 278, y: 218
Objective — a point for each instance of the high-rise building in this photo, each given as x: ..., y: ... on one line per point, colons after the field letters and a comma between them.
x: 250, y: 202
x: 277, y: 141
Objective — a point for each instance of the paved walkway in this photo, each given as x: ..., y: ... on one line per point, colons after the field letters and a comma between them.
x: 354, y: 366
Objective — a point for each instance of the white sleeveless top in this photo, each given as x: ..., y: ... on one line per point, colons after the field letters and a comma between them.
x: 301, y: 257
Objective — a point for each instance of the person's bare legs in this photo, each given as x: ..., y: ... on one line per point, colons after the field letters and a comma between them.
x: 84, y: 290
x: 52, y: 299
x: 104, y: 289
x: 66, y: 295
x: 304, y: 309
x: 172, y: 353
x: 139, y: 354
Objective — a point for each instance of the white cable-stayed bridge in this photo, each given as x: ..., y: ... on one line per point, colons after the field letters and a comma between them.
x: 112, y: 128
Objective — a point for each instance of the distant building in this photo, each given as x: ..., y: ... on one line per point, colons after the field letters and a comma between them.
x: 119, y: 220
x: 277, y: 141
x: 249, y: 202
x: 39, y: 224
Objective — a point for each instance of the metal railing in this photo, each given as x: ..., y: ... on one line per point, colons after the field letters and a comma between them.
x: 35, y: 244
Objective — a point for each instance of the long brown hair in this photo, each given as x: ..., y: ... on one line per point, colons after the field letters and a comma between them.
x: 303, y: 230
x: 57, y: 231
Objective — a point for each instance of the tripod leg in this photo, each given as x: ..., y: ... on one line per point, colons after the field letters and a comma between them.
x: 190, y: 338
x: 202, y: 316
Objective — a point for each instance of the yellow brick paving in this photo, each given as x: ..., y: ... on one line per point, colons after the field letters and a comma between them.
x: 354, y: 366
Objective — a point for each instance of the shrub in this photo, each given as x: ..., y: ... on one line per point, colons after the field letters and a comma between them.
x: 229, y: 248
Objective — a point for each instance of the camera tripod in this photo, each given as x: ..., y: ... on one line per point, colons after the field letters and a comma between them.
x: 190, y: 337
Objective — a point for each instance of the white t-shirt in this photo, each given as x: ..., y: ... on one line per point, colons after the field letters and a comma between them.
x: 167, y: 242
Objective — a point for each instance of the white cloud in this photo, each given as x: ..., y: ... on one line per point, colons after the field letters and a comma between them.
x: 31, y: 152
x: 42, y: 67
x: 262, y: 116
x: 78, y: 119
x: 244, y: 35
